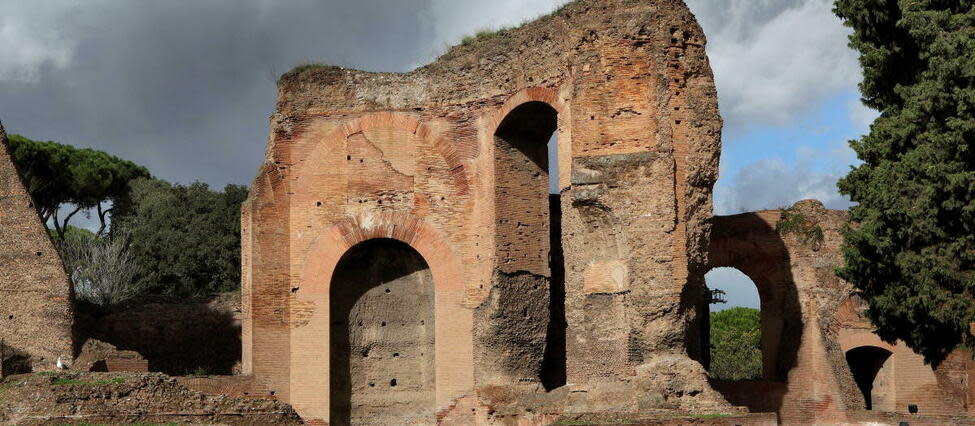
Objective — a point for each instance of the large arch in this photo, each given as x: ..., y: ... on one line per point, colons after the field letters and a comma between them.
x: 737, y: 361
x: 382, y: 336
x: 454, y: 372
x: 749, y: 243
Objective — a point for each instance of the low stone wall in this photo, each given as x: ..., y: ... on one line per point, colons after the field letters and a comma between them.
x: 176, y: 339
x: 233, y: 386
x: 759, y: 396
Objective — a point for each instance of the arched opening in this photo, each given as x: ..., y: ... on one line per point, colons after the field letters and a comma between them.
x: 734, y: 327
x: 382, y: 336
x: 873, y: 375
x: 754, y: 248
x: 528, y: 316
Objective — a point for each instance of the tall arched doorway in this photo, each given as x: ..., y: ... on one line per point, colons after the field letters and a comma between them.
x: 874, y: 376
x: 382, y: 336
x: 527, y: 313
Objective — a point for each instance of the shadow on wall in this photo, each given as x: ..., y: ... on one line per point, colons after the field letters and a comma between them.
x: 523, y: 340
x: 382, y: 335
x: 13, y: 361
x: 176, y: 339
x: 865, y: 363
x: 751, y: 244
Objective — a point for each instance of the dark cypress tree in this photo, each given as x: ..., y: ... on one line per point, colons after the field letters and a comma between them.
x: 912, y: 250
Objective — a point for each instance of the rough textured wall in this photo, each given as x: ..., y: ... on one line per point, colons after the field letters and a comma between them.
x: 36, y: 313
x: 790, y: 256
x: 819, y: 351
x: 382, y: 365
x: 424, y: 158
x: 903, y: 378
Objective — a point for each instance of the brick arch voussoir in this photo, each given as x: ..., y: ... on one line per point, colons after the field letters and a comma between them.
x: 326, y: 253
x: 863, y: 340
x: 545, y: 95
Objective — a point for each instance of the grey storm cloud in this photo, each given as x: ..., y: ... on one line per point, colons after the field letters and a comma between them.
x: 184, y: 87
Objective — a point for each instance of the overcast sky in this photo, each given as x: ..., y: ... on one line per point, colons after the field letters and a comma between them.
x: 186, y: 87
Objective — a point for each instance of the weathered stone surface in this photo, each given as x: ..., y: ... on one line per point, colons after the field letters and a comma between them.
x: 35, y: 294
x: 451, y: 160
x: 814, y: 328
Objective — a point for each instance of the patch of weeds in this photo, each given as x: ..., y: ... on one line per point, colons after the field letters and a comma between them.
x: 561, y: 10
x: 793, y: 222
x: 711, y: 416
x: 199, y: 372
x: 46, y: 373
x: 6, y: 386
x: 305, y: 67
x: 485, y: 35
x: 68, y: 381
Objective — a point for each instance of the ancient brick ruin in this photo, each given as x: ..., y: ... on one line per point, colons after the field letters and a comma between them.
x: 36, y: 313
x: 403, y: 260
x: 821, y: 358
x: 400, y: 246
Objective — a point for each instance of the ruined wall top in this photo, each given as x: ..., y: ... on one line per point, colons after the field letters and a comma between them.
x: 538, y: 54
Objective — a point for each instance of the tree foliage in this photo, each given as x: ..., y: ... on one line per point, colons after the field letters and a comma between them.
x: 185, y: 239
x: 912, y: 251
x: 57, y: 174
x: 736, y: 344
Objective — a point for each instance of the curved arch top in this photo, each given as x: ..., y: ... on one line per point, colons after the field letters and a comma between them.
x: 544, y: 95
x: 310, y: 305
x: 404, y: 227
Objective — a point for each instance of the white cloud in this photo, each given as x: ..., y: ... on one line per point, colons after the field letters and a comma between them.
x: 31, y: 38
x: 771, y: 183
x: 862, y: 116
x: 775, y: 59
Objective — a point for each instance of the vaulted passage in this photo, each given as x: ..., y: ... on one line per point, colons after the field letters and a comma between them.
x: 873, y: 376
x: 382, y: 336
x: 528, y: 302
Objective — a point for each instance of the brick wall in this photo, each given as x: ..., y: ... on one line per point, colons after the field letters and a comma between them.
x: 355, y: 156
x: 36, y: 312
